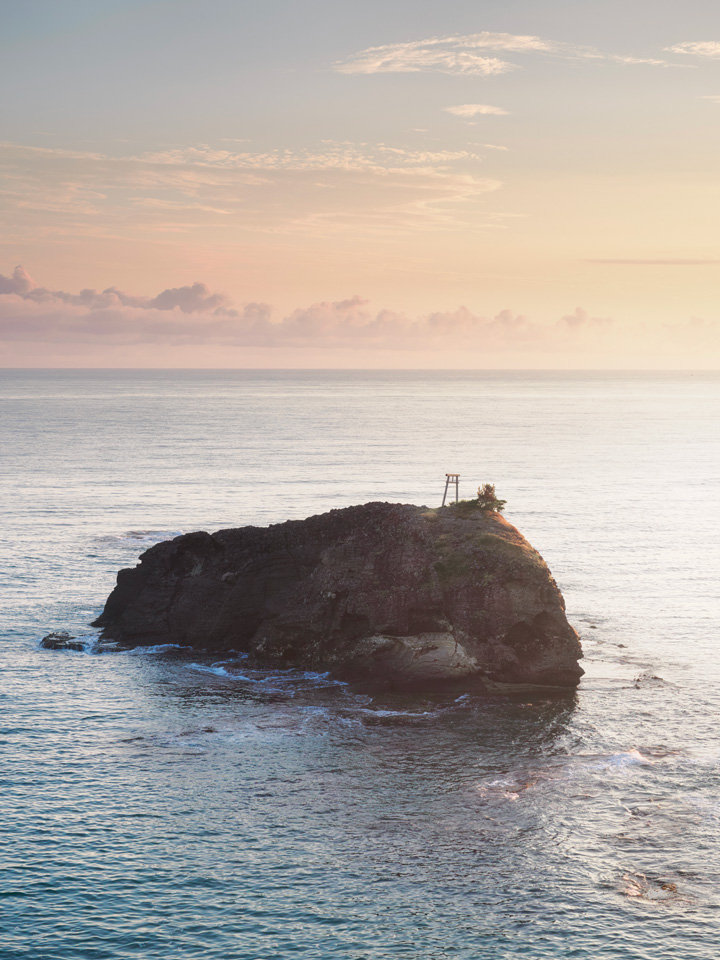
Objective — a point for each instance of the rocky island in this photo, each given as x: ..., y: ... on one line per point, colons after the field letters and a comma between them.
x: 383, y: 591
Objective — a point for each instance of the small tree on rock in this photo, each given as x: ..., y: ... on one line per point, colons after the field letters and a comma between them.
x: 487, y: 499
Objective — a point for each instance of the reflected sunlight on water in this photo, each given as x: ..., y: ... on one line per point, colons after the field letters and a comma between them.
x: 158, y: 804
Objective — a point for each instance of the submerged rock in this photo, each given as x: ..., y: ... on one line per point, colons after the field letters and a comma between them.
x: 61, y: 641
x: 385, y: 591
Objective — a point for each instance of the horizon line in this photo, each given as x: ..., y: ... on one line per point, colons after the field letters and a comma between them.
x: 362, y: 369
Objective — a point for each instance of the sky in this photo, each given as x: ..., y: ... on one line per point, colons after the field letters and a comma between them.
x: 396, y: 184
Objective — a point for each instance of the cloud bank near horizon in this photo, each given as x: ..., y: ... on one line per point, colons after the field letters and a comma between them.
x: 194, y: 316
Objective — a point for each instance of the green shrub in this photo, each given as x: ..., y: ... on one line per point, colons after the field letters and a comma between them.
x: 487, y: 499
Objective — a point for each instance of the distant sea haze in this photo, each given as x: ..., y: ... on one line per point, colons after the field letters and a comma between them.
x: 166, y: 804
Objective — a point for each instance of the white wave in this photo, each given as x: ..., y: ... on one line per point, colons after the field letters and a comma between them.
x: 368, y: 711
x: 629, y: 758
x: 515, y: 784
x: 219, y: 671
x: 89, y: 642
x: 503, y: 789
x: 293, y: 677
x: 157, y: 648
x: 613, y: 761
x: 323, y: 679
x: 205, y: 668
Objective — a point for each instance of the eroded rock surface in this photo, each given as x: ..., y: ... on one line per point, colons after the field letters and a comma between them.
x: 388, y: 591
x: 61, y: 641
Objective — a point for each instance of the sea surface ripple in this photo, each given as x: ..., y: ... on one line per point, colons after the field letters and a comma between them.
x: 162, y: 804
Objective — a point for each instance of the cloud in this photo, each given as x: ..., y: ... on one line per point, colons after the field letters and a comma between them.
x: 189, y: 314
x: 20, y: 283
x: 476, y: 110
x: 57, y: 193
x: 194, y: 315
x: 670, y: 262
x: 196, y: 298
x: 454, y: 55
x: 580, y: 319
x: 466, y: 55
x: 111, y: 327
x: 697, y: 48
x: 713, y: 96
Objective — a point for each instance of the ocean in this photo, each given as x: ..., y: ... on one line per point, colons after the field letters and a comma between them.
x: 161, y: 804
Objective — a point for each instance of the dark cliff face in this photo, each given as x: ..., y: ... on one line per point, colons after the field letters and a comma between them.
x: 384, y: 590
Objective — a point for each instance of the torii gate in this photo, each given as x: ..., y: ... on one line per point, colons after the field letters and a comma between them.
x: 451, y: 478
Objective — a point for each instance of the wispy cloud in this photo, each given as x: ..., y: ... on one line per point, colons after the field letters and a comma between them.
x: 713, y: 96
x: 454, y: 55
x: 476, y: 110
x: 467, y: 55
x: 658, y: 262
x: 697, y: 48
x: 381, y: 186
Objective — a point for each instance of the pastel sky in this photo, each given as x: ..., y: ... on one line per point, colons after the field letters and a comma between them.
x: 405, y: 183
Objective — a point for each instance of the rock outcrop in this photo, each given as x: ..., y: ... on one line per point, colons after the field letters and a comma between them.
x: 385, y: 591
x: 61, y: 641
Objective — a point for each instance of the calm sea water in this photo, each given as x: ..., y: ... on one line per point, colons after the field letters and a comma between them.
x: 159, y: 805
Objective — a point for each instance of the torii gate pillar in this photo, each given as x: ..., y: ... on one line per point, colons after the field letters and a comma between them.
x: 451, y: 478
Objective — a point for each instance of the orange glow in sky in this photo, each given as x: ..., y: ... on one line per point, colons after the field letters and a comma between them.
x: 386, y: 185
